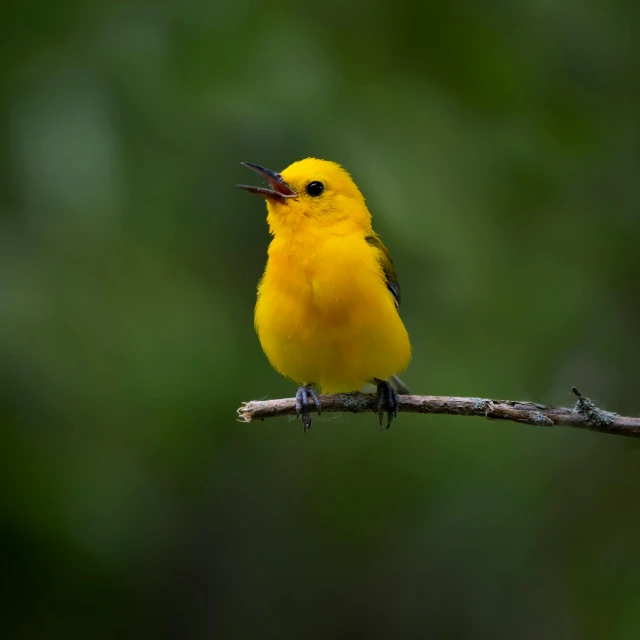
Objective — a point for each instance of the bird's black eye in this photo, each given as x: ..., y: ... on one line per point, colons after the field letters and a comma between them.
x: 315, y: 188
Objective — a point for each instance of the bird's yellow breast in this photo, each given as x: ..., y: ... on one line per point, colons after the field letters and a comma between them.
x: 325, y: 316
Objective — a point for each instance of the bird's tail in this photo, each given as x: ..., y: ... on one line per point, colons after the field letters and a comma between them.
x: 396, y: 383
x: 399, y: 386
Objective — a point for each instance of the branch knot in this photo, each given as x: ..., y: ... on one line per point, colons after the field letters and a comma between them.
x: 593, y: 415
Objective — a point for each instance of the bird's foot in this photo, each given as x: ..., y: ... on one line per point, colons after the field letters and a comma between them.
x: 303, y: 397
x: 387, y: 401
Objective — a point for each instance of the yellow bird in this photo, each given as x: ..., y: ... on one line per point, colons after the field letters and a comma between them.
x: 327, y: 309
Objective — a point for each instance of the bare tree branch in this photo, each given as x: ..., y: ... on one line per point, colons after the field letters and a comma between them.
x: 584, y: 415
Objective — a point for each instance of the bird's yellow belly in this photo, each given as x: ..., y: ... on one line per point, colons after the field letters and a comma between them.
x: 336, y: 336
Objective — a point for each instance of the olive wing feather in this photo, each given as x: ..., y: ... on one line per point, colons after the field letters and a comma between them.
x: 384, y: 257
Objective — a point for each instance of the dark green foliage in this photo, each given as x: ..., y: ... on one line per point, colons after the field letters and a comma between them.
x: 497, y: 147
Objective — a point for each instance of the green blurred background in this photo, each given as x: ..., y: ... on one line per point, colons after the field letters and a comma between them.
x: 498, y: 147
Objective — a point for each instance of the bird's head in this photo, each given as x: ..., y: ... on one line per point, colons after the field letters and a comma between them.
x: 311, y: 194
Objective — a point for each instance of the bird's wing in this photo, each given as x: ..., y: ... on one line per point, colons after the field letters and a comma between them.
x: 384, y: 257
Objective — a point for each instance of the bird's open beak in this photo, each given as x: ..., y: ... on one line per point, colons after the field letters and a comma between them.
x: 281, y: 190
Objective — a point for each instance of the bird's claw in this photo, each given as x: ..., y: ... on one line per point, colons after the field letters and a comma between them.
x: 387, y: 401
x: 303, y: 395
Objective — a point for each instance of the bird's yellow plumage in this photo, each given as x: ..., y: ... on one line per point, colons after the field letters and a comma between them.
x: 327, y: 308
